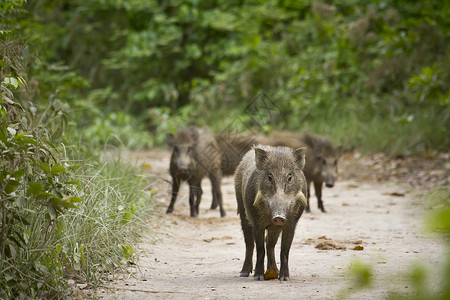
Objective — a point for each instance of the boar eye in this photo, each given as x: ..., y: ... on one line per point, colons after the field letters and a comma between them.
x: 270, y: 177
x: 289, y: 177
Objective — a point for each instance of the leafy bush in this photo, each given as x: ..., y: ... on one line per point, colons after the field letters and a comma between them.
x: 59, y: 218
x: 341, y: 68
x: 33, y: 181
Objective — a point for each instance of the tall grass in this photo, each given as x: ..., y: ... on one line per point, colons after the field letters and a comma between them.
x: 85, y: 244
x: 101, y: 233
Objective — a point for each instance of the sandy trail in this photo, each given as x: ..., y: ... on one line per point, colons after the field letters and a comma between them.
x: 200, y: 258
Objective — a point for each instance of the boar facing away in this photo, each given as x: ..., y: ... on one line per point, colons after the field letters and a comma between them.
x: 270, y: 192
x: 195, y: 154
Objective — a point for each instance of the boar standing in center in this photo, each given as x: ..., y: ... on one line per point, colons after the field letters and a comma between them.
x: 270, y: 193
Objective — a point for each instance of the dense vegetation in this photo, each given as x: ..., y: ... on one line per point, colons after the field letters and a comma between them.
x: 63, y: 212
x: 77, y: 75
x: 369, y: 74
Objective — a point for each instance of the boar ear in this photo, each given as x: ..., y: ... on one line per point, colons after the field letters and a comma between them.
x: 260, y: 158
x: 299, y: 155
x: 170, y: 139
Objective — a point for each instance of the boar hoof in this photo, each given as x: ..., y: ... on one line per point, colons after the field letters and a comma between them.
x: 243, y: 274
x: 169, y: 210
x: 259, y: 277
x: 284, y: 278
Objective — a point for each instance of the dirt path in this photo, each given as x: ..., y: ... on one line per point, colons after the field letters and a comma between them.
x: 201, y: 258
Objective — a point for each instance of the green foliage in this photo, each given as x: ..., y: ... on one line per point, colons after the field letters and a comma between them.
x: 340, y: 69
x: 33, y: 180
x: 59, y: 218
x: 116, y: 129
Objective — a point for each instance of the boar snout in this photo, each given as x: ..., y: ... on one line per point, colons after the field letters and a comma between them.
x: 183, y: 170
x: 279, y: 220
x: 329, y: 181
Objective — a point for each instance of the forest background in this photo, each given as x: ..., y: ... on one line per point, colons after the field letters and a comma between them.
x: 80, y: 76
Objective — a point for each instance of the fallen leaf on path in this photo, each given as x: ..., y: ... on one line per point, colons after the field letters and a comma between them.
x: 352, y: 186
x: 358, y: 248
x: 345, y: 204
x: 270, y: 274
x: 395, y: 194
x: 329, y: 245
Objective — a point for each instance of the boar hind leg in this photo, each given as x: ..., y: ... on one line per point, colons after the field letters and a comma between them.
x: 318, y: 189
x: 217, y: 194
x: 249, y: 245
x: 308, y: 190
x: 286, y: 242
x: 272, y: 238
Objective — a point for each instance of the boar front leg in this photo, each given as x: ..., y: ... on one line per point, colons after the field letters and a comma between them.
x: 175, y: 189
x: 286, y: 242
x: 272, y: 238
x: 249, y: 246
x: 195, y: 194
x: 258, y: 232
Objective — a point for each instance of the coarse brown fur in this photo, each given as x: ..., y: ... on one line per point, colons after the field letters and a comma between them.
x: 195, y: 155
x: 270, y: 192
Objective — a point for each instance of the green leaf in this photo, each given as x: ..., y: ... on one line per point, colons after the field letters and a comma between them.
x: 60, y: 204
x: 45, y: 167
x: 22, y: 135
x: 18, y: 174
x: 12, y: 251
x: 58, y: 248
x: 35, y: 188
x: 57, y: 168
x: 72, y: 182
x: 11, y: 186
x: 11, y: 81
x: 72, y: 199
